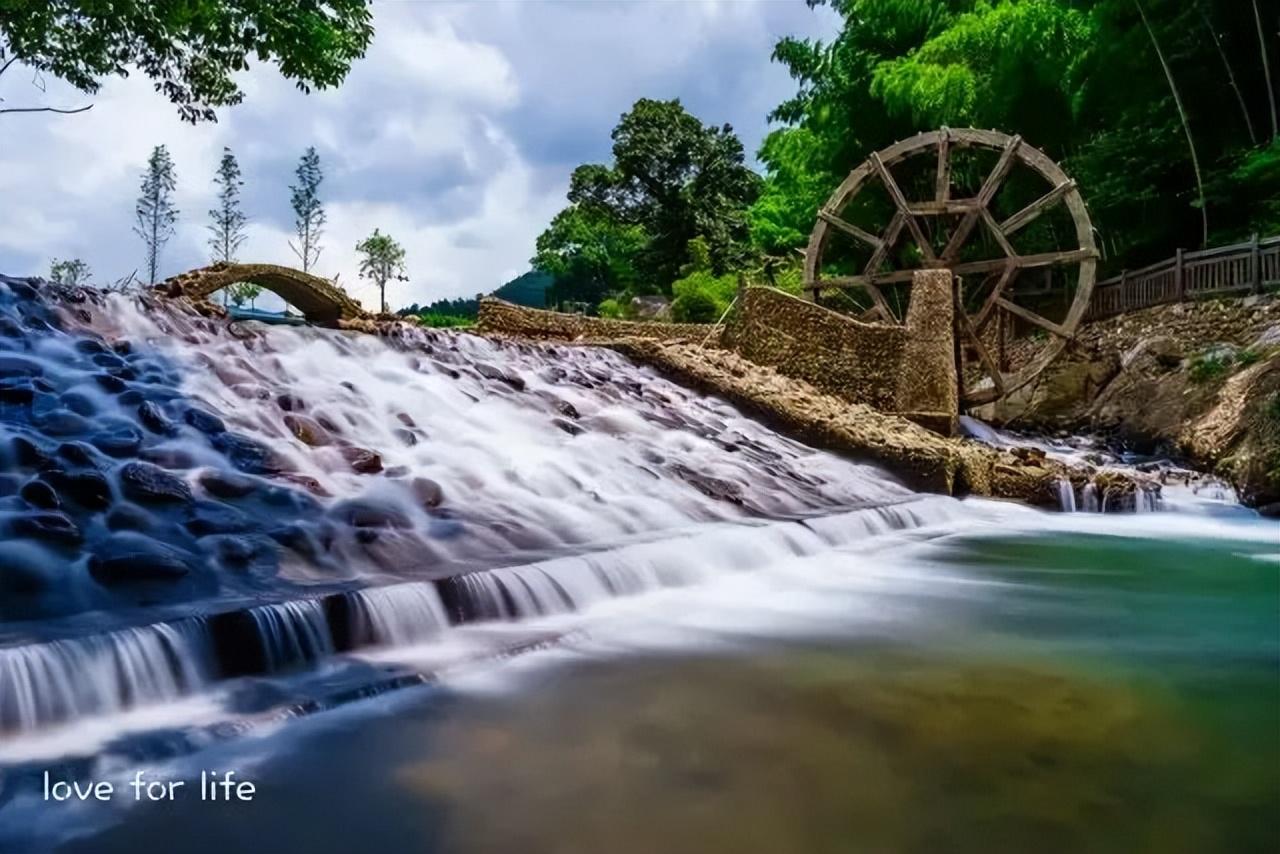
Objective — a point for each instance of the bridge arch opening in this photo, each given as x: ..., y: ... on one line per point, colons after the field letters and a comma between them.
x: 320, y: 300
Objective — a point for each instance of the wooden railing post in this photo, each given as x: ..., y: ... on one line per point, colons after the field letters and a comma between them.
x: 1255, y: 265
x: 1179, y: 284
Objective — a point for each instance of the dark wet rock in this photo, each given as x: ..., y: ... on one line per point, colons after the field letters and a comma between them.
x: 214, y: 517
x: 78, y: 453
x: 131, y: 397
x: 307, y: 430
x: 110, y: 382
x: 154, y: 419
x: 490, y: 372
x: 13, y: 365
x: 290, y: 403
x: 90, y: 346
x: 227, y: 484
x: 16, y: 390
x: 310, y: 484
x: 121, y: 442
x: 40, y: 494
x: 108, y: 360
x: 365, y: 513
x: 249, y: 455
x: 427, y: 492
x: 300, y: 539
x: 205, y: 422
x: 129, y: 517
x: 129, y: 557
x: 88, y: 489
x: 27, y: 453
x: 568, y: 426
x: 396, y: 471
x: 362, y: 460
x: 236, y: 551
x: 79, y: 403
x: 408, y: 437
x: 169, y: 457
x: 28, y: 568
x: 150, y: 484
x: 64, y: 422
x: 47, y: 525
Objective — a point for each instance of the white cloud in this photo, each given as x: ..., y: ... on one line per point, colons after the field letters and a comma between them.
x: 455, y: 134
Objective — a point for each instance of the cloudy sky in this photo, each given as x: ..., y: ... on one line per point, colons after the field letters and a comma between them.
x: 456, y: 134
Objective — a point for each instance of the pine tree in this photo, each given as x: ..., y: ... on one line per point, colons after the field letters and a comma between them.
x: 155, y: 211
x: 309, y: 213
x: 227, y: 220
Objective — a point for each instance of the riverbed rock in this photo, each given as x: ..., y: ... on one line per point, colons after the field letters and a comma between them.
x: 153, y: 417
x: 49, y: 526
x: 307, y: 430
x: 130, y: 557
x: 150, y: 484
x: 39, y: 493
x: 362, y: 460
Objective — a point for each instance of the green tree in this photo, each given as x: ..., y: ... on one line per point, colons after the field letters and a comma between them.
x: 72, y: 272
x: 227, y: 220
x: 589, y: 255
x: 383, y: 261
x: 243, y: 292
x: 190, y: 50
x: 309, y: 216
x: 154, y: 212
x: 672, y: 179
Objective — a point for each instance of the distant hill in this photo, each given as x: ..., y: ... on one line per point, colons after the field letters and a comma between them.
x: 527, y: 289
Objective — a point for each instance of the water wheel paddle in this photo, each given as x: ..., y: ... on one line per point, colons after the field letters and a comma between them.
x: 969, y: 223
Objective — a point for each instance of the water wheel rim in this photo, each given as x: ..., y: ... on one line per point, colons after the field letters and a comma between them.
x: 1062, y: 190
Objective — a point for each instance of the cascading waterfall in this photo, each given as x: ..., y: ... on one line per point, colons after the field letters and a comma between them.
x: 292, y: 633
x: 398, y: 615
x: 1089, y: 498
x: 47, y: 683
x: 1066, y: 496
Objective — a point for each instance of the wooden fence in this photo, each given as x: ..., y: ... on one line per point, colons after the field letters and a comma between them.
x: 1243, y: 268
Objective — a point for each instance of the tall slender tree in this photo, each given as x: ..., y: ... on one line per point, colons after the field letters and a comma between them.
x: 308, y: 211
x: 383, y: 261
x: 227, y: 220
x: 154, y: 211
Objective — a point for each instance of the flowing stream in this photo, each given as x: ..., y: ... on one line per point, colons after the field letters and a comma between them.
x: 438, y: 593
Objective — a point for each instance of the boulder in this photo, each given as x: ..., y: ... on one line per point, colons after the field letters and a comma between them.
x: 130, y: 557
x: 150, y: 484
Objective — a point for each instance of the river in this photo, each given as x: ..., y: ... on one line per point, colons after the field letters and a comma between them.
x: 576, y: 608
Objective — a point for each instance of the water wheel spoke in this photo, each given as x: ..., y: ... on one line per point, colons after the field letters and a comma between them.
x: 998, y: 233
x: 850, y: 229
x: 889, y: 238
x: 989, y: 305
x: 942, y: 185
x: 1024, y: 262
x: 984, y: 356
x: 1030, y: 212
x: 1031, y: 317
x: 900, y: 202
x: 1000, y: 172
x: 891, y: 277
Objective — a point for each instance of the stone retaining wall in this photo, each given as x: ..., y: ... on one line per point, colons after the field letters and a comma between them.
x: 859, y: 362
x: 504, y: 318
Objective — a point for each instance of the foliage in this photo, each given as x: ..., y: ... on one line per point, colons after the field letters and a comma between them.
x: 190, y: 50
x: 467, y: 309
x: 612, y: 308
x: 588, y: 255
x: 309, y: 215
x: 383, y: 261
x: 227, y: 224
x: 1210, y: 365
x: 155, y: 212
x: 243, y: 292
x: 1080, y: 79
x: 436, y: 320
x: 628, y: 224
x: 72, y: 272
x: 527, y: 289
x: 700, y: 295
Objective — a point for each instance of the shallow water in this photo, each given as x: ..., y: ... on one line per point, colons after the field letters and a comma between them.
x: 619, y: 616
x: 1015, y: 682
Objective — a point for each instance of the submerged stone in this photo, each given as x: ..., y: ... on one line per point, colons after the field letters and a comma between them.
x: 147, y: 483
x: 128, y: 557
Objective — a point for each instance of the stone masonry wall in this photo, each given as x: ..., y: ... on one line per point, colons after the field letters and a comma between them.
x: 504, y: 318
x: 859, y: 362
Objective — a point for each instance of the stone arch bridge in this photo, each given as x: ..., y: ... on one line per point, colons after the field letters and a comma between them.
x: 320, y: 300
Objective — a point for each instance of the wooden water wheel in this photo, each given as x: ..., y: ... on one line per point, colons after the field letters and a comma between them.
x: 973, y: 220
